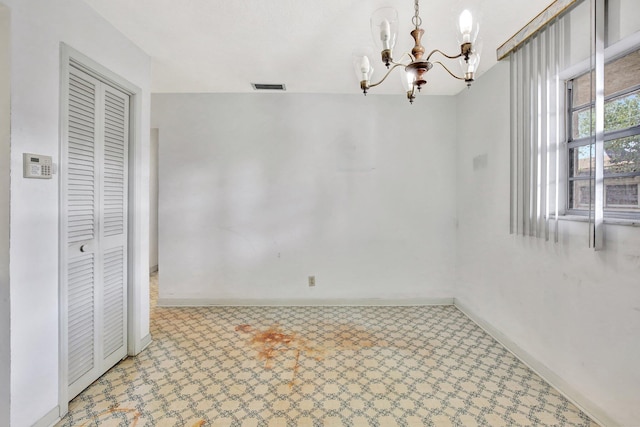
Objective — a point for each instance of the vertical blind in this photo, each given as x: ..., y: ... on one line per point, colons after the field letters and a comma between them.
x: 536, y: 132
x: 538, y: 159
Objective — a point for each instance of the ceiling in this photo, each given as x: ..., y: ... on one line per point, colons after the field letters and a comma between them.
x: 225, y: 45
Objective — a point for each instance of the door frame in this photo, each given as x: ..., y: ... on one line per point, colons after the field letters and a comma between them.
x: 136, y: 270
x: 5, y: 203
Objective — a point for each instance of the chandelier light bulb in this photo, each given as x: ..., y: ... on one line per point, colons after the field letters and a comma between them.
x: 471, y: 66
x: 384, y: 27
x: 365, y: 66
x: 409, y: 78
x: 466, y: 25
x: 474, y: 58
x: 362, y: 66
x: 385, y: 34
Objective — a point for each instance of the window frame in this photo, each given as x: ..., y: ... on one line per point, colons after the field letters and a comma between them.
x: 571, y: 143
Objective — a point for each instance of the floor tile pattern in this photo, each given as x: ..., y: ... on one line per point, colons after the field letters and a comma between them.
x: 320, y: 366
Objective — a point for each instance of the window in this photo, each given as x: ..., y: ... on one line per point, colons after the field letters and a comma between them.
x: 621, y: 141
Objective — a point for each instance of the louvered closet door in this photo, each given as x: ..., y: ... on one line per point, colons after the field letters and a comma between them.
x: 95, y: 200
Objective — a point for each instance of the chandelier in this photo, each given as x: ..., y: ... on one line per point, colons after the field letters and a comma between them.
x: 384, y: 28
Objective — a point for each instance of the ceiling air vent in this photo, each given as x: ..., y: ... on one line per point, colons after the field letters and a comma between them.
x: 267, y: 86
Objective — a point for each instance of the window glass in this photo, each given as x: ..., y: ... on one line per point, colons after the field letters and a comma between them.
x: 582, y: 162
x: 622, y: 138
x: 619, y: 75
x: 620, y: 112
x: 622, y: 155
x: 620, y: 193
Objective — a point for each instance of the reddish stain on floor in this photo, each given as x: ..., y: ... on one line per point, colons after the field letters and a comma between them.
x: 244, y: 328
x: 272, y: 342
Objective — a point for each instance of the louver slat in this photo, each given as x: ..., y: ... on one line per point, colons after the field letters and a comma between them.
x: 80, y: 194
x: 81, y: 159
x: 113, y: 299
x: 81, y: 321
x: 114, y: 164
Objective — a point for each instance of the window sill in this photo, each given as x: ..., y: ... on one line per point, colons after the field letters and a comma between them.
x: 613, y: 221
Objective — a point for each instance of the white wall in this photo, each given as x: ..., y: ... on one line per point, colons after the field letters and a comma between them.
x: 622, y: 22
x: 259, y: 191
x: 623, y: 19
x: 574, y: 310
x: 5, y: 138
x: 153, y: 200
x: 38, y: 27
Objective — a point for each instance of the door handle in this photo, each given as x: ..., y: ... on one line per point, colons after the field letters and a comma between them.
x: 86, y: 247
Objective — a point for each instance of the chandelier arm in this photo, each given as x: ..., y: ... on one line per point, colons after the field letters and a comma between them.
x: 385, y: 76
x: 443, y: 54
x: 407, y: 54
x: 448, y: 71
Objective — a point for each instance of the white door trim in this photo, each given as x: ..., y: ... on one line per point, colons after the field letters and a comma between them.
x: 136, y: 270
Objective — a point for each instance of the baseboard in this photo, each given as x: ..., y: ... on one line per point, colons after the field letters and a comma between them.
x: 50, y: 419
x: 200, y: 302
x: 575, y: 397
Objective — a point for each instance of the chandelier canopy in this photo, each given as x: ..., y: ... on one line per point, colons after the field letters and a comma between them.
x: 384, y: 28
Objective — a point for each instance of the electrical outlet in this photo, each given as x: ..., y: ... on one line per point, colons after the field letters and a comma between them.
x: 312, y: 281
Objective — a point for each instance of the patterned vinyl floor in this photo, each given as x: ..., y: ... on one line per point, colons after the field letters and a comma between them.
x: 320, y: 366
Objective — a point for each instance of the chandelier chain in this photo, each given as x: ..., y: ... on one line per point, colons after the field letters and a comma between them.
x: 417, y: 21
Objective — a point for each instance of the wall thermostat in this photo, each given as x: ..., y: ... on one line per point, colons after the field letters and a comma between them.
x: 37, y: 166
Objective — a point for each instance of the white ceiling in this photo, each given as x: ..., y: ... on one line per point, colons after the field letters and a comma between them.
x: 225, y: 45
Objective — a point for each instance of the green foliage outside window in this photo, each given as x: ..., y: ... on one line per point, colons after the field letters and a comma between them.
x: 620, y: 113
